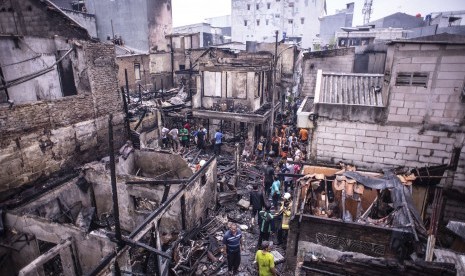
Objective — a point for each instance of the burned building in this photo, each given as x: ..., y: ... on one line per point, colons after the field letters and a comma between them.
x: 74, y: 223
x: 234, y: 88
x: 408, y: 118
x: 57, y: 90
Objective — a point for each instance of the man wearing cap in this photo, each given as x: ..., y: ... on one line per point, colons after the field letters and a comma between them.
x: 265, y: 260
x: 232, y: 239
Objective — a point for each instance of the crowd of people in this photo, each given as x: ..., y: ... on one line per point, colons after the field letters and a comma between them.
x: 180, y: 139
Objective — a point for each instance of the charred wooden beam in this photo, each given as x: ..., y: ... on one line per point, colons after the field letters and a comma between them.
x: 42, y: 259
x: 114, y: 190
x: 145, y: 246
x: 160, y: 182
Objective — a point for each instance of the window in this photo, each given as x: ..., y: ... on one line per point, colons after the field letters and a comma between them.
x: 248, y: 7
x: 245, y: 22
x: 267, y: 21
x: 412, y: 79
x: 268, y: 5
x: 290, y: 21
x: 137, y: 71
x: 182, y: 67
x: 257, y: 6
x: 291, y: 5
x: 277, y: 16
x: 212, y: 84
x: 302, y: 20
x: 258, y: 22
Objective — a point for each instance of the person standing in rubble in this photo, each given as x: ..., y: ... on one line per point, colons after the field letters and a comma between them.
x: 257, y: 201
x: 266, y: 221
x: 276, y: 192
x: 265, y: 260
x: 285, y: 214
x: 261, y: 148
x: 269, y: 174
x: 184, y: 133
x: 288, y: 179
x: 218, y: 142
x: 174, y: 137
x: 232, y: 239
x: 200, y: 139
x: 303, y: 135
x: 164, y: 137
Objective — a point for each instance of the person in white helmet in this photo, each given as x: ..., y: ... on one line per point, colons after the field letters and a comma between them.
x: 285, y: 215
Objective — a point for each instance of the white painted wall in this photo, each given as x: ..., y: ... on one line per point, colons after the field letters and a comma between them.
x: 283, y: 16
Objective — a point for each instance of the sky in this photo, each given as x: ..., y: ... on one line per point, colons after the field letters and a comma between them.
x: 195, y: 11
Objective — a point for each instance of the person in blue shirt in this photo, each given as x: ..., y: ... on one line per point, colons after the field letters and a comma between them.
x: 276, y: 191
x: 232, y: 239
x: 218, y: 142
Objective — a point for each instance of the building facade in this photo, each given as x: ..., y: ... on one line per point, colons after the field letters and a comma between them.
x: 59, y: 88
x: 257, y: 20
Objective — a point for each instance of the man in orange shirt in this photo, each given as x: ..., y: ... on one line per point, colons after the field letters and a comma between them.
x: 303, y: 135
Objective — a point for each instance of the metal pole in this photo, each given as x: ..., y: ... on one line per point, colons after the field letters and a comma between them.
x: 127, y: 84
x: 172, y: 61
x: 140, y: 94
x: 126, y: 112
x: 114, y: 190
x: 273, y: 92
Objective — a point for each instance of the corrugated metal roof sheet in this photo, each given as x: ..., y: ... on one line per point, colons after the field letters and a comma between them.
x: 351, y: 89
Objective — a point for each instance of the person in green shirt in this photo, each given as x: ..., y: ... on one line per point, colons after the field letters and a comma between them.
x: 184, y: 133
x: 265, y: 260
x: 266, y: 221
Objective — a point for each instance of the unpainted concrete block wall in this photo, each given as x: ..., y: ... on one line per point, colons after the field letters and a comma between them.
x: 45, y: 137
x: 374, y: 147
x: 440, y: 101
x: 338, y: 60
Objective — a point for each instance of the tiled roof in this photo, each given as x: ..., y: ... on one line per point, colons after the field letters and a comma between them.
x: 350, y: 89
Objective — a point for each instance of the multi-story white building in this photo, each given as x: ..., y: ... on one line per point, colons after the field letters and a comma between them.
x: 296, y: 20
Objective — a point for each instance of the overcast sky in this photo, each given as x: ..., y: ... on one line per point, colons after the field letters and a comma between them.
x: 195, y: 11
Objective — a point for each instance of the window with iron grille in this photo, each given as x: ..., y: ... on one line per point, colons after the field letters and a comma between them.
x: 412, y: 79
x: 268, y: 5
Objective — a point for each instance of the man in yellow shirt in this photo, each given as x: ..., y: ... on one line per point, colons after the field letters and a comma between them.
x: 265, y: 260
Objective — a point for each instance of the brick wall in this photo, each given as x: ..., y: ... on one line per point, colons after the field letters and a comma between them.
x: 45, y: 137
x: 37, y: 18
x: 127, y: 62
x: 437, y: 103
x: 374, y: 147
x: 338, y: 60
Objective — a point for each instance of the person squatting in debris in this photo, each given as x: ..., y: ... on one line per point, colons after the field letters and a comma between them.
x: 285, y: 215
x: 232, y: 239
x: 269, y: 174
x: 218, y: 142
x: 265, y: 260
x: 247, y: 150
x: 266, y: 219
